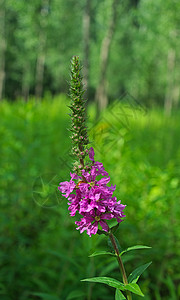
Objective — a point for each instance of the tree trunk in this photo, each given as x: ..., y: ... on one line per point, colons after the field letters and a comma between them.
x: 25, y: 83
x: 40, y: 67
x: 86, y: 41
x: 172, y: 89
x: 170, y: 82
x: 101, y: 91
x: 176, y: 94
x: 2, y: 48
x: 41, y: 52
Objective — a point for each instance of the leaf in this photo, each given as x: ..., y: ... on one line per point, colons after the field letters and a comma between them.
x: 101, y: 253
x: 107, y: 280
x: 114, y: 228
x: 117, y: 243
x: 45, y: 296
x: 75, y: 294
x: 119, y: 295
x: 134, y: 276
x: 134, y: 288
x: 102, y: 232
x: 135, y: 248
x: 109, y: 268
x: 62, y: 256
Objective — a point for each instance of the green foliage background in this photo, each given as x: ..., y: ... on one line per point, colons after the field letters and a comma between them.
x: 42, y: 255
x: 144, y: 53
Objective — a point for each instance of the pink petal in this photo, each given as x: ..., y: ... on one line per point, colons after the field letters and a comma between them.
x: 91, y: 154
x: 104, y: 226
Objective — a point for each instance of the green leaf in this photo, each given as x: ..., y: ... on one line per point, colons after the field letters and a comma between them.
x: 119, y: 295
x: 75, y: 294
x: 135, y: 248
x: 109, y: 268
x: 114, y: 228
x: 45, y: 296
x: 134, y: 276
x: 107, y: 280
x: 117, y: 243
x: 62, y: 256
x: 102, y: 232
x: 101, y: 253
x: 134, y: 288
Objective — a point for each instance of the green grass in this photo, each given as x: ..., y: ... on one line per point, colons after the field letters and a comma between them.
x: 42, y: 255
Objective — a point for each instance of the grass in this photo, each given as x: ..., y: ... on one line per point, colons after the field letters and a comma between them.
x: 42, y: 255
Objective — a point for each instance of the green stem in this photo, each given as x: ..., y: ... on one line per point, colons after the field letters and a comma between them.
x: 121, y: 265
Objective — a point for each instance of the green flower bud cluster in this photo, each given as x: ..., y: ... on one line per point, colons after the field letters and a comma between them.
x: 78, y: 116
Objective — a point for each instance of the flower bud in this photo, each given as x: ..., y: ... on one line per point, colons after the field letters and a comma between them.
x: 78, y: 113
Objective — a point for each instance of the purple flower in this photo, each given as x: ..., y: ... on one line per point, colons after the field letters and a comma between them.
x: 92, y: 198
x: 67, y: 187
x: 90, y: 222
x: 91, y: 154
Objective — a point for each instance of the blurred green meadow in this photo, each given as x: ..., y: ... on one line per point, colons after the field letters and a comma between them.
x: 42, y: 255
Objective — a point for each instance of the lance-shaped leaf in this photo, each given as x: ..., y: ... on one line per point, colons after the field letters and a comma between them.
x: 134, y: 288
x: 75, y: 294
x: 114, y: 228
x: 134, y: 248
x: 117, y: 243
x: 101, y: 253
x: 134, y: 276
x: 102, y: 232
x: 107, y: 280
x: 119, y: 295
x: 45, y: 296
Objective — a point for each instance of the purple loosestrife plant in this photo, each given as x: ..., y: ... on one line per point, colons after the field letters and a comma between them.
x: 89, y: 195
x: 92, y: 198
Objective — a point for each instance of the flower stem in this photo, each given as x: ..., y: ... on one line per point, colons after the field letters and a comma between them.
x: 121, y: 265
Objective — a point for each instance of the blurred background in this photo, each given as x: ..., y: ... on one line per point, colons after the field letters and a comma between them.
x: 130, y: 56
